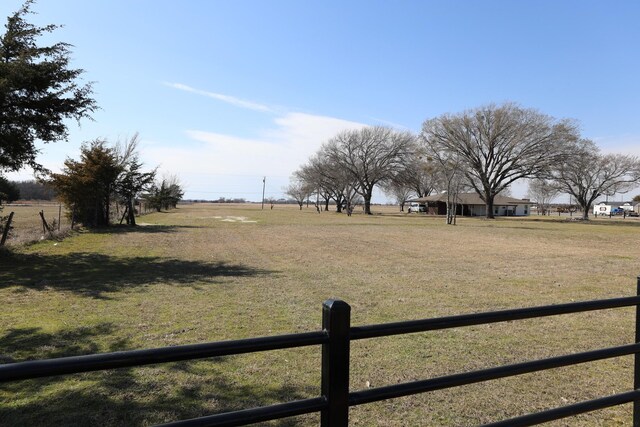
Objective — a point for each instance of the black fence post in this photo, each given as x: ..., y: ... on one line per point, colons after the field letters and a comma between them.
x: 336, y: 320
x: 636, y: 364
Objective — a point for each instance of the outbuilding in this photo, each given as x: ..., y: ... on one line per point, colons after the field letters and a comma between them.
x: 607, y: 208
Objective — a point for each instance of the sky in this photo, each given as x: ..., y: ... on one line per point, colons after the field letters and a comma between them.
x: 226, y: 92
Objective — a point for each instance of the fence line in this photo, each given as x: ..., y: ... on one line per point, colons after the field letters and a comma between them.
x: 28, y: 222
x: 335, y: 338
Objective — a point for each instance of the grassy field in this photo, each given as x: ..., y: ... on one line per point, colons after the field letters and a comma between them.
x: 27, y: 224
x: 215, y: 272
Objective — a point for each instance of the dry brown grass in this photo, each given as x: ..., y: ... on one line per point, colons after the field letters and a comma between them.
x: 197, y: 276
x: 27, y: 225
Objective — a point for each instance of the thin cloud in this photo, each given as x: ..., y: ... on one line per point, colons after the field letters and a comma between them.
x: 621, y: 144
x: 277, y: 150
x: 391, y: 124
x: 250, y: 105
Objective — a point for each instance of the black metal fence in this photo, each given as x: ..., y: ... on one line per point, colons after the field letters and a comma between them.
x: 335, y: 338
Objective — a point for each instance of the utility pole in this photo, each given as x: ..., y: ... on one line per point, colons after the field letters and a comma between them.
x: 264, y: 180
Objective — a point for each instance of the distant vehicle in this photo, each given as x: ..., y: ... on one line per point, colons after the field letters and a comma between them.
x: 416, y: 207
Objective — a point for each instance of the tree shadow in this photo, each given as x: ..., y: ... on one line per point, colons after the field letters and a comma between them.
x: 629, y: 222
x: 130, y: 396
x: 33, y: 343
x: 95, y: 275
x: 615, y: 221
x: 143, y: 229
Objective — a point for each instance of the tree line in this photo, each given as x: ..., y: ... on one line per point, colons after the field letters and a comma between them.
x: 108, y: 175
x: 33, y: 190
x: 485, y: 150
x: 39, y: 92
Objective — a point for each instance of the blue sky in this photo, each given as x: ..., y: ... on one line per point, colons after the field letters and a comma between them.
x: 226, y: 92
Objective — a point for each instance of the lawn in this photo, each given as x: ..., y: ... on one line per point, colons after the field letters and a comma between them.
x: 216, y: 272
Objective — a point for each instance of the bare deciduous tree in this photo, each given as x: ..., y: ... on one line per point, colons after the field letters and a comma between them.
x: 298, y: 190
x: 449, y: 170
x: 586, y: 174
x: 400, y: 192
x: 500, y: 144
x: 416, y: 174
x: 132, y: 181
x: 415, y: 178
x: 321, y: 174
x: 542, y: 192
x: 370, y: 156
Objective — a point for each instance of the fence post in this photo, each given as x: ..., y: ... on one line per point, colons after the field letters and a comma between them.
x: 636, y: 364
x: 336, y: 320
x: 7, y: 228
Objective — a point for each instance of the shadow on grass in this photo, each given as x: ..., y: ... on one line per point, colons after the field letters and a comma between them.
x: 142, y: 229
x: 517, y: 222
x: 616, y: 221
x: 33, y: 343
x: 133, y: 396
x: 94, y: 275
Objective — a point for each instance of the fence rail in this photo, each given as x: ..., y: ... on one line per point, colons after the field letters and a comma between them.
x: 335, y: 338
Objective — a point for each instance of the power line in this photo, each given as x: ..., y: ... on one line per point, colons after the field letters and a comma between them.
x: 233, y: 174
x: 222, y: 191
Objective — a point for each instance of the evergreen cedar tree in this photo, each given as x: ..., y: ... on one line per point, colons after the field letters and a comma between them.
x: 38, y: 92
x: 87, y: 185
x: 102, y: 175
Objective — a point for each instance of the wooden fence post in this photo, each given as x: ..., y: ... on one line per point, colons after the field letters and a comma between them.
x: 7, y: 227
x: 45, y: 226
